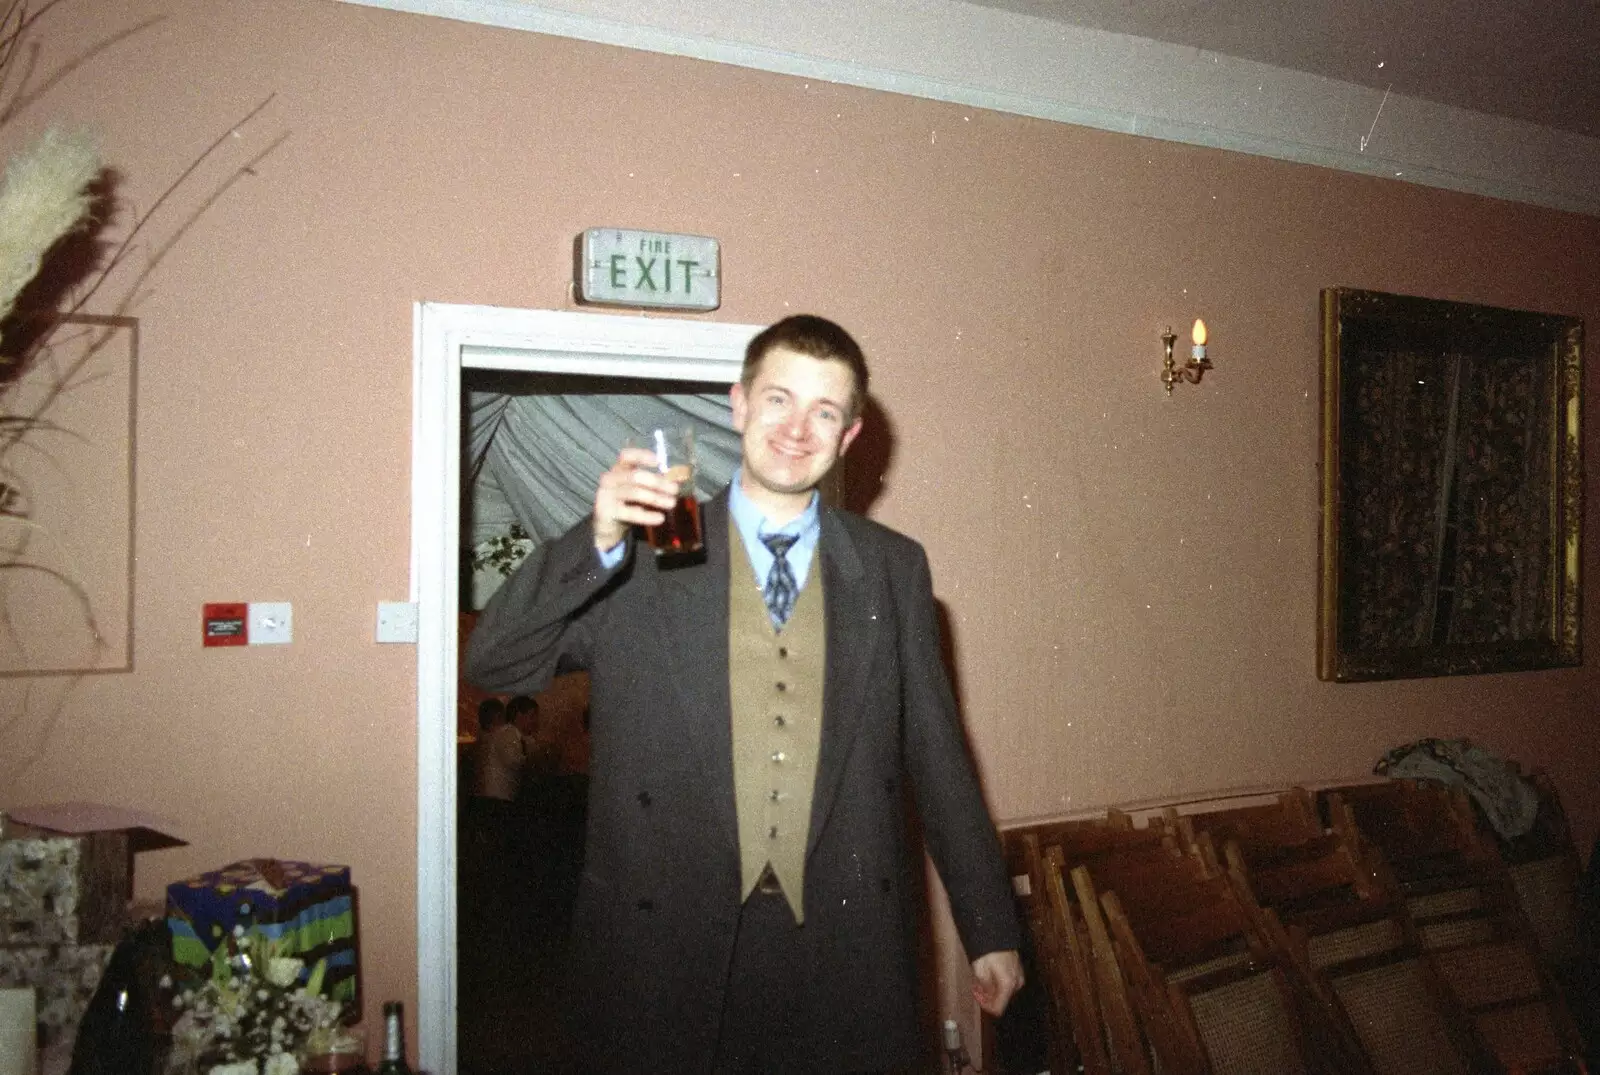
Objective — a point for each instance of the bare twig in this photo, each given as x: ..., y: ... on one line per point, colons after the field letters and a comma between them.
x: 126, y: 245
x: 46, y: 724
x: 9, y: 437
x: 18, y: 91
x: 73, y: 585
x: 26, y: 97
x: 22, y: 425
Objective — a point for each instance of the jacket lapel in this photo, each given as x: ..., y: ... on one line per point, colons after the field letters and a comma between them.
x: 695, y: 600
x: 853, y: 626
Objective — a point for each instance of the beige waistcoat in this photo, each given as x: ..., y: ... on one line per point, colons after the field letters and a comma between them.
x: 775, y: 681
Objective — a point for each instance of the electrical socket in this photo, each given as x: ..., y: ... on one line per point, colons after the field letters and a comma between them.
x: 397, y: 621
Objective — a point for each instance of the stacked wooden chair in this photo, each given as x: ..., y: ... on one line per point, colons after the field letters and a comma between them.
x: 1462, y: 901
x: 1154, y: 959
x: 1546, y: 872
x: 1375, y: 932
x: 1351, y: 942
x: 1210, y: 989
x: 1074, y: 981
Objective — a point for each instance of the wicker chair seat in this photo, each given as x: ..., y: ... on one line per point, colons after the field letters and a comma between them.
x: 1398, y: 1024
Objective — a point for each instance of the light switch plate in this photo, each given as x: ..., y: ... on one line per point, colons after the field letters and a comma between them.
x: 397, y: 621
x: 271, y: 623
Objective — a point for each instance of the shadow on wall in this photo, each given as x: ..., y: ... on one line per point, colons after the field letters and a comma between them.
x: 862, y: 473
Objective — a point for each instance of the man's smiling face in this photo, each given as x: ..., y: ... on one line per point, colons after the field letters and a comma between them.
x: 796, y: 420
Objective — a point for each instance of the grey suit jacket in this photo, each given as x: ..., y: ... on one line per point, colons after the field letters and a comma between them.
x: 658, y: 902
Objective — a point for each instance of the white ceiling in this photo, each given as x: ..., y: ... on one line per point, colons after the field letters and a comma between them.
x: 1533, y: 60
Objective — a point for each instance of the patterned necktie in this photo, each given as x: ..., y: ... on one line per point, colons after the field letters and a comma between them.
x: 780, y: 589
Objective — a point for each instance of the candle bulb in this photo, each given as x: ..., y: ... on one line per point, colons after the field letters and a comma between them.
x: 1199, y: 336
x: 952, y: 1035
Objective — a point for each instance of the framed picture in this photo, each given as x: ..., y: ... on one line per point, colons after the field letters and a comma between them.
x: 66, y: 494
x: 1452, y: 485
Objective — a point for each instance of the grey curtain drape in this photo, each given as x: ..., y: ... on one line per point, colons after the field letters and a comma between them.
x: 535, y: 459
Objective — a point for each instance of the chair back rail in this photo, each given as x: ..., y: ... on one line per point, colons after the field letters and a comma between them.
x: 1290, y: 820
x: 1126, y: 1044
x: 1070, y: 974
x: 1060, y: 938
x: 1230, y: 1014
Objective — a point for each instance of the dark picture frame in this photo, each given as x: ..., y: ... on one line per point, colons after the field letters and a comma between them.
x: 1452, y: 486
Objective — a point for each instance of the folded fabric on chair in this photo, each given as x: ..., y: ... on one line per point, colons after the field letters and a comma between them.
x: 1506, y: 797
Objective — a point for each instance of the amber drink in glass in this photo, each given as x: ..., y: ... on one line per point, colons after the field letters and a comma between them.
x: 679, y: 534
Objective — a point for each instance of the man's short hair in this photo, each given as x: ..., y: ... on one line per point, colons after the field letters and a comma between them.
x: 810, y: 335
x: 489, y: 711
x: 519, y: 705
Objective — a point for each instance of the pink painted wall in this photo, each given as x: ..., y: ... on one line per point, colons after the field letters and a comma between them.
x: 1131, y: 578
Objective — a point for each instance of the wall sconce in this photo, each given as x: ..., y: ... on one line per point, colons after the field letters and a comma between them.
x: 1192, y: 370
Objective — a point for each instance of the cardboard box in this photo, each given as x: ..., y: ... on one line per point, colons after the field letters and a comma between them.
x: 60, y: 889
x: 66, y: 876
x: 66, y: 871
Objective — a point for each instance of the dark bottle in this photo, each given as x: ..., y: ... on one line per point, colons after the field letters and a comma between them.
x: 118, y: 1034
x: 394, y: 1041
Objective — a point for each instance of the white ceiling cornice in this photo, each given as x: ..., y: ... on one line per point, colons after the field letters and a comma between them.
x: 947, y: 50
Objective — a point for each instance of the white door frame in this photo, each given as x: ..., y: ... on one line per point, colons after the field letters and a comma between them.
x: 446, y: 339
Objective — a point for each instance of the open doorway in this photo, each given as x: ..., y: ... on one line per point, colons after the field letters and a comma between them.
x: 450, y: 340
x: 533, y: 448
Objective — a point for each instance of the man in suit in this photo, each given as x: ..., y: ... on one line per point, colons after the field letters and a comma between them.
x: 748, y: 898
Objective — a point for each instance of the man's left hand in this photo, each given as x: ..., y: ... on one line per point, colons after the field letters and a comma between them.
x: 996, y: 977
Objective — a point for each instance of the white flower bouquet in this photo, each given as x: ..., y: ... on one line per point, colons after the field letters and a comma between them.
x: 252, y: 1015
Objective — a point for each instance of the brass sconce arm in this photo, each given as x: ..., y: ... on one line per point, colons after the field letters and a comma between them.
x: 1192, y: 370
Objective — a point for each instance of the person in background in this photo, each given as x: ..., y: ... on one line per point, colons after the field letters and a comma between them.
x: 497, y: 761
x: 540, y: 755
x: 749, y: 897
x: 491, y: 711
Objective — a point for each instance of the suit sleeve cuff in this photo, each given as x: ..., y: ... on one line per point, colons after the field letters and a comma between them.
x: 610, y: 558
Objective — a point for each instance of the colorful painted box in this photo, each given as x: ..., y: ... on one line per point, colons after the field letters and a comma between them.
x: 311, y: 909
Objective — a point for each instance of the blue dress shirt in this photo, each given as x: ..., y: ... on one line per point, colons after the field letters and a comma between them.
x: 753, y: 526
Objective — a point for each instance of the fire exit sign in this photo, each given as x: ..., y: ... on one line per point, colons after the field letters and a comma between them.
x: 649, y: 268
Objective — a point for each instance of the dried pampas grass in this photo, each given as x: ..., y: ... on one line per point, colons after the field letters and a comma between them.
x: 45, y: 193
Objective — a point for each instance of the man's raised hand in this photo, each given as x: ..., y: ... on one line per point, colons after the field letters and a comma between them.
x: 631, y: 493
